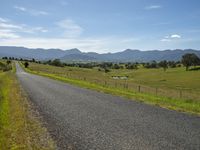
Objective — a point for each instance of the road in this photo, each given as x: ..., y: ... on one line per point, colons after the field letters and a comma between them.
x: 79, y: 118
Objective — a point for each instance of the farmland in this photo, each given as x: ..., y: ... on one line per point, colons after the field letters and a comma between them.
x: 145, y: 84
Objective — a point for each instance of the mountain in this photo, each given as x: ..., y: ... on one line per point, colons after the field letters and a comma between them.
x: 76, y: 55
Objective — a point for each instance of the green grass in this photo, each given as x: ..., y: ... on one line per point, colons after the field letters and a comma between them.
x: 174, y: 78
x: 20, y: 128
x: 184, y: 105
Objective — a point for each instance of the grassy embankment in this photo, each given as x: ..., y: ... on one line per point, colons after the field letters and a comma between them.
x: 168, y: 81
x: 20, y: 127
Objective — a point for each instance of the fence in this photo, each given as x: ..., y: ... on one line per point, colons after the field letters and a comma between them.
x: 130, y: 86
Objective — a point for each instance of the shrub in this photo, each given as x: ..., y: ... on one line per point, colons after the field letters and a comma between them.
x: 26, y: 64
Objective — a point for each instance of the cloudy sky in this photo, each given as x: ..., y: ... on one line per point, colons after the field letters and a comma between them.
x: 100, y: 25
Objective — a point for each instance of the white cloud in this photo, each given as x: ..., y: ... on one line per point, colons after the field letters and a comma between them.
x: 175, y: 36
x: 32, y: 12
x: 20, y: 8
x: 10, y: 26
x: 13, y: 30
x: 165, y: 40
x: 153, y: 7
x: 34, y: 30
x: 7, y: 34
x: 71, y: 29
x: 3, y: 20
x: 171, y: 37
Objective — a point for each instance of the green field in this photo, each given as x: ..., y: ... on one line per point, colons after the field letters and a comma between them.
x: 175, y: 89
x: 20, y: 128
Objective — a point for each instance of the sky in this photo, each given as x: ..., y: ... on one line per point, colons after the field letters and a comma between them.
x: 100, y: 25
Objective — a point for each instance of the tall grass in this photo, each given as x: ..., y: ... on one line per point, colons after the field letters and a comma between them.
x: 20, y: 128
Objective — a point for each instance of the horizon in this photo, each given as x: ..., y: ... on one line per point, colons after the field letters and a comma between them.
x: 46, y: 49
x: 64, y: 24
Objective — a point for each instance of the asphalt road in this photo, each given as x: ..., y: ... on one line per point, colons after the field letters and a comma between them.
x: 83, y: 119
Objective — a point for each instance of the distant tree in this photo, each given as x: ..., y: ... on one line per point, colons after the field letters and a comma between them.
x: 33, y: 60
x: 106, y: 65
x: 152, y: 64
x: 190, y: 59
x: 131, y: 66
x: 116, y: 66
x: 163, y: 64
x: 4, y: 57
x: 8, y: 62
x: 57, y: 62
x: 48, y: 62
x: 172, y: 64
x: 106, y: 70
x: 26, y: 64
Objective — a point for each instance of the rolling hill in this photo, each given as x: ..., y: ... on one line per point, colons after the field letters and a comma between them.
x: 77, y: 55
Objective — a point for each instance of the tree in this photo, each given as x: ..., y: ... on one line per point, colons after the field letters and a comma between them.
x: 57, y: 62
x: 152, y: 64
x: 8, y: 62
x: 131, y: 66
x: 106, y: 70
x: 172, y: 64
x: 163, y: 64
x: 33, y: 60
x: 4, y: 57
x: 26, y: 64
x: 116, y: 66
x: 190, y: 59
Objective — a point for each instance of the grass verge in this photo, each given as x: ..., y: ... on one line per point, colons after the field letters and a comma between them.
x: 189, y: 106
x: 20, y: 127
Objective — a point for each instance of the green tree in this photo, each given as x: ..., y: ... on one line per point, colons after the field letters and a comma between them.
x: 116, y: 66
x: 190, y: 59
x: 163, y: 64
x: 8, y: 62
x: 26, y: 64
x: 57, y: 62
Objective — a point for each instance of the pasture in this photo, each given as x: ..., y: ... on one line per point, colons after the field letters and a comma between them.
x: 173, y: 83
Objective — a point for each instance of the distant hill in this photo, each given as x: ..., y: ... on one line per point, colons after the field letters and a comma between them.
x: 77, y: 55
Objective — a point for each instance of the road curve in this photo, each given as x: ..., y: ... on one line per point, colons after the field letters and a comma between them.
x: 83, y: 119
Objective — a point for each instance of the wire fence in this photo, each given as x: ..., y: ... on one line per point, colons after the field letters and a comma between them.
x: 130, y: 86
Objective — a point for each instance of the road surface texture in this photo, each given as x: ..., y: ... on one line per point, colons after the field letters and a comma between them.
x: 79, y: 118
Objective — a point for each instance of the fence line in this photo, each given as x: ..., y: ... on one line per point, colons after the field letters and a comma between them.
x: 130, y: 86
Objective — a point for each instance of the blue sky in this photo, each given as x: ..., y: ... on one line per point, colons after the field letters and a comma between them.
x: 101, y: 25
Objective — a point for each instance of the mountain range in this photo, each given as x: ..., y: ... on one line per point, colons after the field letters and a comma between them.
x: 128, y: 55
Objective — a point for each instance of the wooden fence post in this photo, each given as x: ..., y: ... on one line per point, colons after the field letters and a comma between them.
x: 139, y: 88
